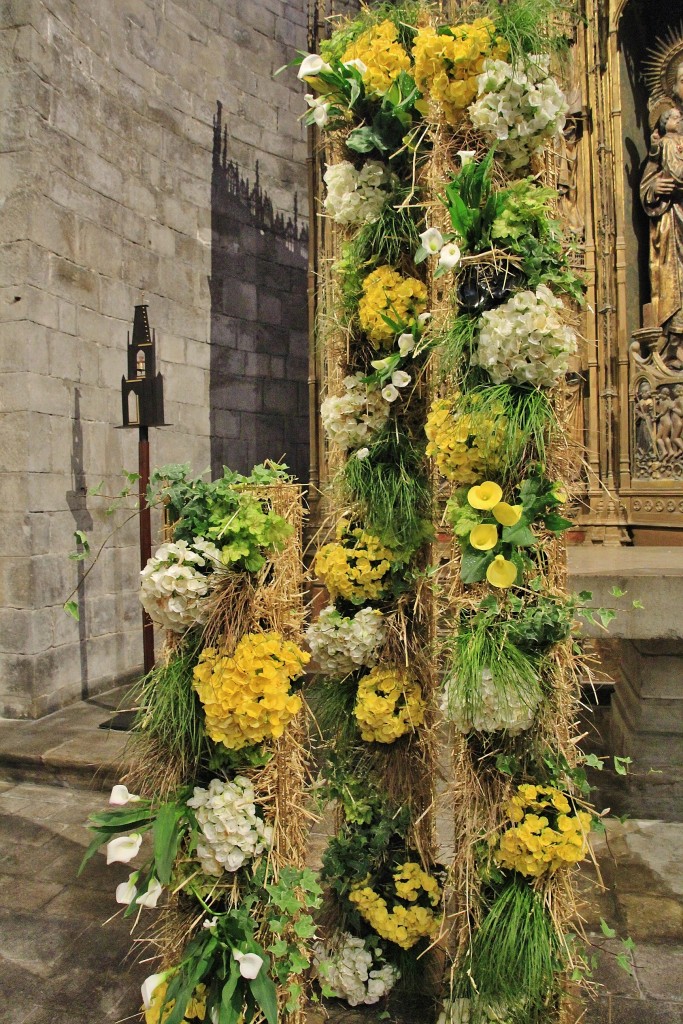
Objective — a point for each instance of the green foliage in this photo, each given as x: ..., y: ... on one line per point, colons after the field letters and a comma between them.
x: 170, y: 711
x: 393, y: 491
x: 223, y: 511
x: 531, y: 26
x: 517, y: 220
x: 515, y: 953
x: 538, y: 622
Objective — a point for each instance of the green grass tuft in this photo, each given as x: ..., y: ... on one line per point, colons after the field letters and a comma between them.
x: 392, y: 488
x: 532, y: 26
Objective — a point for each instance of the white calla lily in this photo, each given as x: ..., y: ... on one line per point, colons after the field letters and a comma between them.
x: 250, y: 963
x: 149, y: 987
x: 312, y: 65
x: 466, y: 156
x: 449, y: 256
x: 124, y: 848
x: 406, y: 344
x: 356, y: 63
x: 151, y: 897
x: 120, y: 797
x: 321, y: 114
x: 362, y: 453
x: 380, y: 364
x: 127, y: 891
x: 423, y: 318
x: 389, y: 393
x: 432, y: 240
x: 400, y: 378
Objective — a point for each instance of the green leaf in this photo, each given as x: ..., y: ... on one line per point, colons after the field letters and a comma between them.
x: 617, y: 592
x: 606, y: 615
x: 166, y: 839
x: 264, y: 993
x: 82, y: 538
x: 71, y: 608
x: 637, y: 604
x: 520, y: 535
x: 585, y: 595
x: 231, y: 1004
x: 364, y: 140
x: 621, y: 765
x: 99, y: 840
x: 593, y: 761
x: 628, y: 944
x: 625, y: 963
x: 305, y: 927
x: 608, y: 932
x: 473, y: 564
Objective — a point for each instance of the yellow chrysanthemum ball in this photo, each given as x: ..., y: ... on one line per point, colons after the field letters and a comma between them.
x: 247, y: 697
x: 464, y: 446
x: 382, y: 54
x: 388, y: 705
x: 404, y: 925
x: 387, y: 294
x: 447, y: 65
x: 158, y: 1013
x: 545, y: 834
x: 356, y: 567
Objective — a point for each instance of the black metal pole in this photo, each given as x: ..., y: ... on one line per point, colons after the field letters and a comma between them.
x: 145, y: 541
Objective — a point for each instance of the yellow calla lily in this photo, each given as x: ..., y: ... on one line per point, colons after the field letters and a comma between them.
x: 501, y: 573
x: 507, y: 515
x: 485, y: 496
x: 484, y: 537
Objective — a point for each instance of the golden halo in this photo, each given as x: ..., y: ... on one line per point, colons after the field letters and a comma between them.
x: 659, y: 68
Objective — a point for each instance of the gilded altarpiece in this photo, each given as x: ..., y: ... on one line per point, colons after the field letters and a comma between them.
x: 623, y: 197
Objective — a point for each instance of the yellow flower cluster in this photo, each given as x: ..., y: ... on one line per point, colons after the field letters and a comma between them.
x: 533, y: 846
x: 247, y: 697
x: 354, y: 567
x: 382, y: 54
x: 195, y: 1010
x: 403, y: 925
x: 388, y: 705
x: 387, y: 293
x: 447, y: 66
x: 463, y: 446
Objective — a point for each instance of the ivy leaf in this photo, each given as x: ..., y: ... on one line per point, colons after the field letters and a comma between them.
x: 638, y: 604
x: 593, y: 761
x: 617, y: 592
x: 305, y: 927
x: 621, y: 765
x: 608, y: 932
x: 625, y: 963
x: 71, y: 608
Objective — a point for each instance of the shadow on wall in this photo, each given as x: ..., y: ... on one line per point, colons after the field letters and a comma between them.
x: 76, y: 499
x: 259, y: 328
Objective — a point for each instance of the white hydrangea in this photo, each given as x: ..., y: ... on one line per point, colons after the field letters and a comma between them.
x: 351, y: 418
x: 356, y: 197
x: 232, y: 831
x: 526, y: 340
x: 171, y: 585
x: 519, y: 108
x: 355, y: 970
x: 494, y: 709
x: 340, y: 644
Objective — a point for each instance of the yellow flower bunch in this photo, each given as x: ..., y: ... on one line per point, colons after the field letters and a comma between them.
x: 447, y: 66
x: 354, y: 567
x: 195, y: 1010
x: 382, y: 54
x: 403, y: 925
x: 247, y: 697
x: 534, y: 846
x: 388, y: 705
x: 464, y: 446
x: 387, y: 293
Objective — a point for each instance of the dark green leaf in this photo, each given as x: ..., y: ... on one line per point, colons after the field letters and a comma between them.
x: 100, y: 838
x: 71, y: 608
x: 520, y: 535
x: 265, y: 994
x: 166, y: 839
x: 473, y: 564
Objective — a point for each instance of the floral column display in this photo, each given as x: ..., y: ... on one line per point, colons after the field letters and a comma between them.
x: 214, y: 817
x: 449, y: 329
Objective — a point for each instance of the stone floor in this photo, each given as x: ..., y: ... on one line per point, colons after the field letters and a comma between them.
x: 59, y: 965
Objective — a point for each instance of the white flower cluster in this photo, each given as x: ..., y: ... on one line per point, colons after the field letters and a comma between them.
x: 355, y: 971
x: 340, y: 644
x: 351, y: 418
x: 494, y: 708
x: 520, y: 108
x: 526, y: 340
x: 232, y: 830
x: 356, y: 197
x: 172, y: 587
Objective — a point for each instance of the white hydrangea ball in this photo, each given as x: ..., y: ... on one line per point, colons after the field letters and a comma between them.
x: 351, y: 418
x: 232, y: 830
x: 355, y: 970
x: 171, y: 585
x: 341, y: 644
x: 356, y: 197
x: 526, y: 340
x: 495, y: 708
x: 519, y: 107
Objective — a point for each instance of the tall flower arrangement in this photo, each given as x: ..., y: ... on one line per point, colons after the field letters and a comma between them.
x: 454, y: 304
x: 215, y: 824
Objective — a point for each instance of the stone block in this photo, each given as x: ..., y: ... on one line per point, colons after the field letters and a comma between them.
x: 14, y: 441
x: 99, y: 249
x: 71, y: 281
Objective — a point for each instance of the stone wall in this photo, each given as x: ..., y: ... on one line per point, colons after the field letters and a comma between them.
x: 111, y: 188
